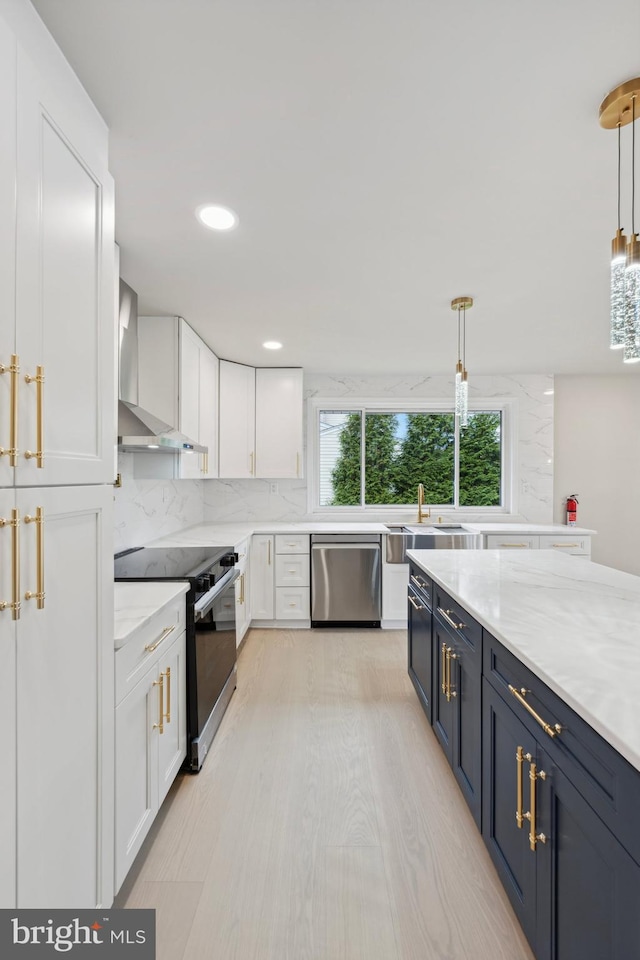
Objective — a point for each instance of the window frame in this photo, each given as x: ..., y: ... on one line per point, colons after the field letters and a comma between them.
x: 506, y: 407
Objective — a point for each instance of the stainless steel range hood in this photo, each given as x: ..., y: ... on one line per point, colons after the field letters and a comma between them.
x: 140, y: 429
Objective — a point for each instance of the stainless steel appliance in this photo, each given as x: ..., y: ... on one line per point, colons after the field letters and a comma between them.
x: 210, y: 628
x: 346, y: 580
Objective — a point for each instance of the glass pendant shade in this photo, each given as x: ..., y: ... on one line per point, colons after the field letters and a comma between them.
x: 618, y: 295
x: 464, y: 400
x: 461, y: 396
x: 632, y: 302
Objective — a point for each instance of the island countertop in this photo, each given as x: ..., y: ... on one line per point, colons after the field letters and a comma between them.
x: 575, y: 624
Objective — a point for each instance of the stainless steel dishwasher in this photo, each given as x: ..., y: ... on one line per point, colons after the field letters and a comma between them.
x: 346, y: 579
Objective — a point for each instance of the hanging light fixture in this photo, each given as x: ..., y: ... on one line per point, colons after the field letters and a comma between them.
x: 617, y: 110
x: 462, y: 304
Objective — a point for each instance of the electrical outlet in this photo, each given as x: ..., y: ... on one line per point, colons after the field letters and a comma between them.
x: 273, y: 488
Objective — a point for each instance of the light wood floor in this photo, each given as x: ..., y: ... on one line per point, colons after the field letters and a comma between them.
x: 325, y: 822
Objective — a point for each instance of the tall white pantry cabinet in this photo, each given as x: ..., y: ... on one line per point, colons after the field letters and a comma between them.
x: 56, y: 471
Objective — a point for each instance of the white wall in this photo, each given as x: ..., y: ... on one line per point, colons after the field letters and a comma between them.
x: 253, y: 499
x: 597, y: 456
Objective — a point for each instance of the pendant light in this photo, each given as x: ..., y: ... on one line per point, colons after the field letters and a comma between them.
x: 462, y: 304
x: 617, y: 110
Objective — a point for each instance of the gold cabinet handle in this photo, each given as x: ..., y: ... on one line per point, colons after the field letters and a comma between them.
x: 251, y: 463
x: 534, y: 776
x: 520, y: 697
x: 445, y: 615
x: 450, y: 656
x: 167, y: 715
x: 520, y: 758
x: 565, y: 545
x: 443, y: 667
x: 12, y: 452
x: 38, y: 455
x: 416, y: 606
x: 241, y: 597
x: 513, y: 544
x: 269, y: 551
x: 160, y: 685
x: 418, y: 582
x: 14, y: 605
x: 39, y: 594
x: 150, y: 647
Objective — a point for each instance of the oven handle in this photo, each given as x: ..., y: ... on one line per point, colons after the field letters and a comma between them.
x: 205, y: 603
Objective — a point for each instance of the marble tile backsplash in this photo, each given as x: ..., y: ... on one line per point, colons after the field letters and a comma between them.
x: 148, y: 509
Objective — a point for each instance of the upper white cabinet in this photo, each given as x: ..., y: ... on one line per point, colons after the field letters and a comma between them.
x: 237, y: 420
x: 260, y: 421
x: 57, y: 254
x: 279, y: 422
x: 178, y: 383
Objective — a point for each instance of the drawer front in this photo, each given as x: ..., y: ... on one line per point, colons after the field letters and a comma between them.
x: 606, y: 780
x: 458, y: 623
x: 421, y: 584
x: 292, y: 570
x: 147, y: 645
x: 511, y: 541
x: 581, y: 546
x: 292, y: 543
x: 292, y: 603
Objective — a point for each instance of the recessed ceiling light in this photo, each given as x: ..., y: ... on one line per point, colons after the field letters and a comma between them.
x: 548, y: 393
x: 216, y: 217
x: 272, y: 345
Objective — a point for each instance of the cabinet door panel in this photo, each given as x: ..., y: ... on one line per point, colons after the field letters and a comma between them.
x: 420, y: 653
x: 7, y: 235
x: 172, y: 742
x: 136, y: 771
x: 209, y: 409
x: 508, y: 844
x: 7, y: 713
x: 442, y: 709
x: 189, y: 351
x: 64, y: 657
x: 65, y: 317
x: 467, y: 748
x: 262, y: 577
x: 279, y: 422
x: 237, y: 420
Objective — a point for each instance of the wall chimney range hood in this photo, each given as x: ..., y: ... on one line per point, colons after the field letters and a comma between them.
x: 140, y: 429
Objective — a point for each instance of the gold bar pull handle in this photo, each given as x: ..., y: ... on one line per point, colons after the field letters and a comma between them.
x: 416, y: 606
x: 39, y: 452
x: 445, y: 616
x: 520, y: 697
x: 14, y: 370
x: 14, y: 605
x: 39, y: 594
x: 251, y: 463
x: 269, y: 551
x: 167, y: 715
x: 534, y: 838
x: 150, y: 647
x: 520, y: 758
x: 451, y: 656
x: 443, y: 667
x: 160, y: 685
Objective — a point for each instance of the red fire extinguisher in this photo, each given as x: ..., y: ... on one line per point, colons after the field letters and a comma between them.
x: 572, y: 509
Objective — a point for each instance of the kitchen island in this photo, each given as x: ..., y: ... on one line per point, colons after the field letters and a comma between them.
x: 528, y: 668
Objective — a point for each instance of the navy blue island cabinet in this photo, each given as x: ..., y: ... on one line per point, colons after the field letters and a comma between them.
x: 558, y: 806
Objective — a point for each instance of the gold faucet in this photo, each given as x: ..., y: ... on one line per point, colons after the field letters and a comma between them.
x: 422, y: 516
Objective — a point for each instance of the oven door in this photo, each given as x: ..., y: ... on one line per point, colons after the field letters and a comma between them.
x: 213, y: 670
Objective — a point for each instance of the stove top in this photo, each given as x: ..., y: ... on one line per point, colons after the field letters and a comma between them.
x: 169, y: 563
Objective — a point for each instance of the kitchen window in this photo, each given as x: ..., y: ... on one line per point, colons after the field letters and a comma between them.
x: 368, y: 456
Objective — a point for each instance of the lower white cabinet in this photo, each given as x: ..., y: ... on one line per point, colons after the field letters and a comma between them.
x: 280, y: 578
x: 151, y: 742
x: 292, y: 603
x: 243, y: 605
x: 562, y: 542
x: 262, y: 576
x: 395, y: 577
x: 511, y: 541
x: 574, y: 546
x: 56, y: 697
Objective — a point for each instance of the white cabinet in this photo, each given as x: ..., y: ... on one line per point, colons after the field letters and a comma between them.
x: 512, y: 542
x: 151, y: 738
x: 279, y: 422
x: 262, y: 577
x: 237, y: 420
x: 395, y: 577
x: 260, y: 421
x: 57, y: 347
x: 243, y: 606
x: 292, y: 593
x: 562, y: 542
x: 57, y: 252
x: 56, y: 790
x: 575, y: 546
x: 178, y: 383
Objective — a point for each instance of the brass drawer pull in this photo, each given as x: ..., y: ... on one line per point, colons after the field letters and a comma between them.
x: 15, y: 603
x: 443, y: 667
x: 520, y: 697
x: 12, y: 452
x: 520, y: 758
x: 416, y: 606
x: 534, y: 838
x: 167, y: 715
x: 565, y: 545
x: 160, y: 685
x: 39, y: 594
x: 38, y: 455
x: 450, y: 656
x: 165, y: 633
x: 452, y: 623
x: 513, y: 544
x: 418, y: 582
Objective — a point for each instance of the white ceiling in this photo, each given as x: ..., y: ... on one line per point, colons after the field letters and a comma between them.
x: 384, y: 156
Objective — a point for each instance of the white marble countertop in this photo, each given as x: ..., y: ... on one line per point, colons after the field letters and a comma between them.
x: 136, y: 603
x: 574, y: 623
x: 231, y: 534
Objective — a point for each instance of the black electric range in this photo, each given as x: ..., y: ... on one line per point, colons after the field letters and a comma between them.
x: 210, y: 629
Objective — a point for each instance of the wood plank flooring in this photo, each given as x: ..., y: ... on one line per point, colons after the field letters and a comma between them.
x: 325, y: 823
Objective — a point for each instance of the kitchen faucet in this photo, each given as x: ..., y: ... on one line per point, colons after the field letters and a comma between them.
x: 426, y: 515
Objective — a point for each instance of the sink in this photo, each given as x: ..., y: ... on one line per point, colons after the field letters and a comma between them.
x: 434, y: 529
x: 429, y: 537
